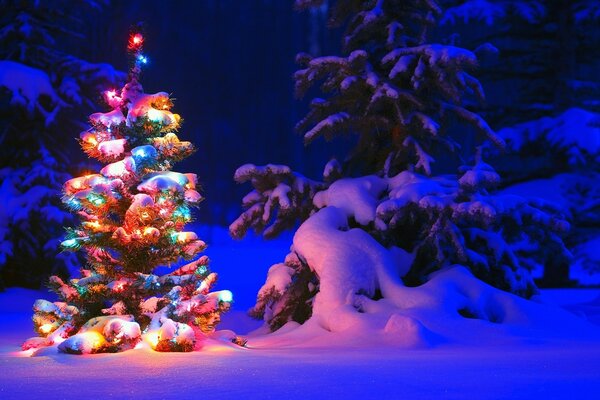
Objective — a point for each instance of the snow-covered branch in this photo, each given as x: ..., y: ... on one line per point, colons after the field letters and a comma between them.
x: 280, y: 199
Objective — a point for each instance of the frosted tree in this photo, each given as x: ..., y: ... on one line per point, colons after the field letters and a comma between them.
x: 402, y: 96
x: 548, y: 107
x: 133, y: 215
x: 44, y: 90
x: 393, y: 88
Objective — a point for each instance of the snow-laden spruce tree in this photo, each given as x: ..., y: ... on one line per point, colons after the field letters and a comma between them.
x: 401, y: 96
x: 43, y: 90
x: 548, y: 110
x: 133, y: 215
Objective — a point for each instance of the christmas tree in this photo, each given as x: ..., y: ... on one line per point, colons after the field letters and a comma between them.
x: 132, y: 218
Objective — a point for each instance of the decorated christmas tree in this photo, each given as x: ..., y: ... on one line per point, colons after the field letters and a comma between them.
x: 132, y: 216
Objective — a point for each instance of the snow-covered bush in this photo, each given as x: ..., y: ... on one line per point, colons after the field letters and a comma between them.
x: 401, y: 96
x: 428, y: 224
x: 44, y: 95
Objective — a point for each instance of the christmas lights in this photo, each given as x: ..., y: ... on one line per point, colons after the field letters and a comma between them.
x: 132, y: 214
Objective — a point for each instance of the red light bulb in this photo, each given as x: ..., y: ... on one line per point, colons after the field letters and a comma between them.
x: 137, y: 39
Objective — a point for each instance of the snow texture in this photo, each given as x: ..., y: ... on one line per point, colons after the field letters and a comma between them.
x: 315, y: 364
x: 575, y: 130
x: 29, y: 87
x: 453, y: 306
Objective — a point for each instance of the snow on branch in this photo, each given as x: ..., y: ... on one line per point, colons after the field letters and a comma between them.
x: 31, y: 89
x: 279, y: 200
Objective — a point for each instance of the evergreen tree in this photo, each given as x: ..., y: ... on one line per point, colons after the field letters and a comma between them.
x: 132, y: 218
x: 547, y: 102
x: 42, y: 92
x: 402, y: 96
x: 547, y: 54
x: 393, y: 88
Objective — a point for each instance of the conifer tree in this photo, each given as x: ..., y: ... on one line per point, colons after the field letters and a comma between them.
x: 403, y: 97
x: 45, y: 90
x: 132, y: 216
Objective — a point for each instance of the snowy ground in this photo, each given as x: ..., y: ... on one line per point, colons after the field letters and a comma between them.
x: 523, y: 369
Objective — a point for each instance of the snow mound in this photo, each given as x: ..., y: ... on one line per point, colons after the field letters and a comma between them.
x: 452, y: 307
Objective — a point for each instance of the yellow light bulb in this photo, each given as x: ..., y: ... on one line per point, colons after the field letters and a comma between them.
x: 152, y: 338
x: 46, y: 328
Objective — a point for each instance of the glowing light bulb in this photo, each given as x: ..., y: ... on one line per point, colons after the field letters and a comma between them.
x: 96, y: 199
x: 70, y: 243
x: 94, y: 225
x: 152, y: 338
x: 143, y: 59
x: 137, y: 38
x: 46, y: 328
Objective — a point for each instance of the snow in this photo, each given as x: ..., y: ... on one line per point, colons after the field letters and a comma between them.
x: 142, y: 106
x: 574, y: 194
x: 167, y: 181
x: 279, y: 277
x: 492, y: 11
x: 114, y: 117
x: 549, y: 189
x: 112, y: 148
x: 453, y: 306
x: 363, y: 191
x: 323, y: 364
x: 574, y: 129
x: 28, y: 85
x: 324, y: 125
x: 434, y: 54
x: 359, y: 369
